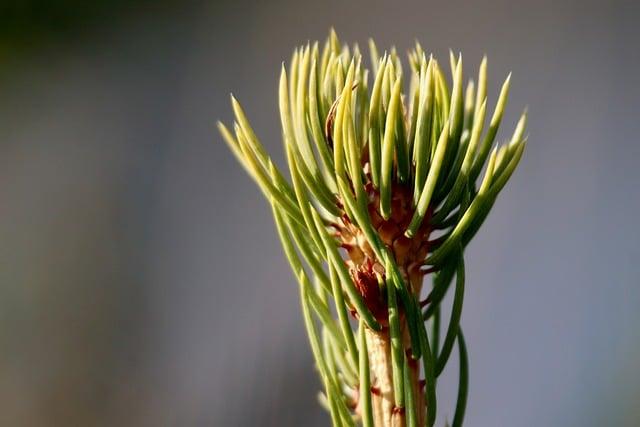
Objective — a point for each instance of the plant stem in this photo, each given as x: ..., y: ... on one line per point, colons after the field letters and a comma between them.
x: 385, y: 413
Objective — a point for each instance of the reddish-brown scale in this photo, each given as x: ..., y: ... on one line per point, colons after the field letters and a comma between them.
x: 401, y: 248
x: 398, y: 410
x: 353, y: 403
x: 413, y: 363
x: 367, y: 283
x: 347, y: 246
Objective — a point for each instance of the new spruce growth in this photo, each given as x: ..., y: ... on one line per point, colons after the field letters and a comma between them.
x: 383, y: 191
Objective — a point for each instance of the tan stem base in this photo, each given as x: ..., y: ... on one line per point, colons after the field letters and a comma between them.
x: 385, y: 413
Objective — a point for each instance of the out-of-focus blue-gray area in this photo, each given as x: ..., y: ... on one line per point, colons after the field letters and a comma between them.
x: 141, y: 280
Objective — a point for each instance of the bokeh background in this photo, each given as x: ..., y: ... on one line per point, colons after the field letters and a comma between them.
x: 141, y: 281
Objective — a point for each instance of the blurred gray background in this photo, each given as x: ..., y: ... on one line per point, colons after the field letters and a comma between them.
x: 141, y: 281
